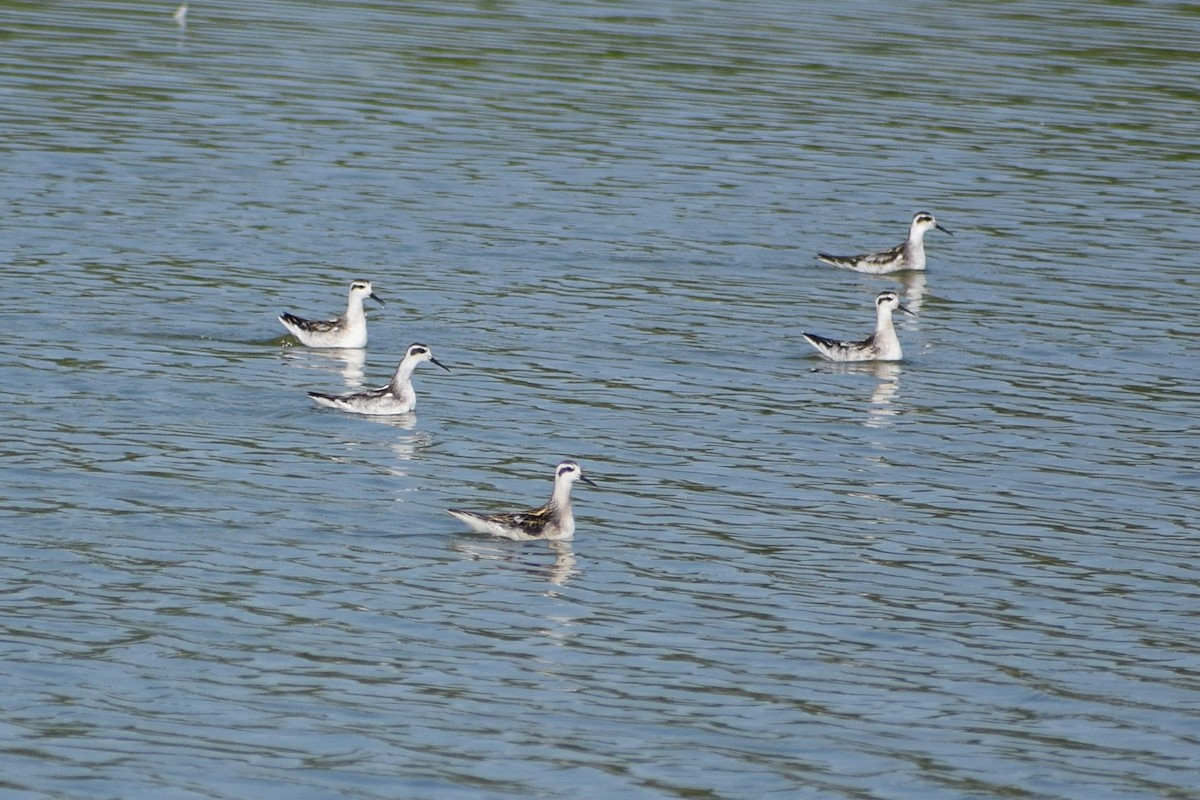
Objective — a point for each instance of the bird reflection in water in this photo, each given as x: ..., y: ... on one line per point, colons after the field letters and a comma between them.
x: 914, y: 297
x: 347, y: 361
x: 554, y: 561
x: 882, y: 409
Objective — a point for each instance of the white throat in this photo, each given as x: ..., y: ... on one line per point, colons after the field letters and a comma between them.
x: 354, y: 308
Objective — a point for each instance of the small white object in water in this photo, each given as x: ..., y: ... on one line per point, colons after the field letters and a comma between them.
x: 180, y: 15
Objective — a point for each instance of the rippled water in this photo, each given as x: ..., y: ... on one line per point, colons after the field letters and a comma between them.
x: 971, y: 574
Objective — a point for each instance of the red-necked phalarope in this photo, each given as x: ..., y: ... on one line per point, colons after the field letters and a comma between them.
x: 397, y: 397
x: 909, y: 255
x: 348, y: 330
x: 882, y: 345
x: 552, y: 521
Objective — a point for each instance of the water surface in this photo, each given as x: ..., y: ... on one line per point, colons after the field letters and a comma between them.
x: 969, y: 574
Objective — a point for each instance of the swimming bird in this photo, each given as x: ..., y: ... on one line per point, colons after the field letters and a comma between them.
x: 553, y: 521
x: 348, y: 330
x: 882, y: 345
x: 397, y: 397
x: 910, y: 254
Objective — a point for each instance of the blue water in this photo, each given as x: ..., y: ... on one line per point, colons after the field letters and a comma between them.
x: 969, y: 574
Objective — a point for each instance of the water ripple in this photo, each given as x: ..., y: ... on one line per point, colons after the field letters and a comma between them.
x: 966, y: 575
